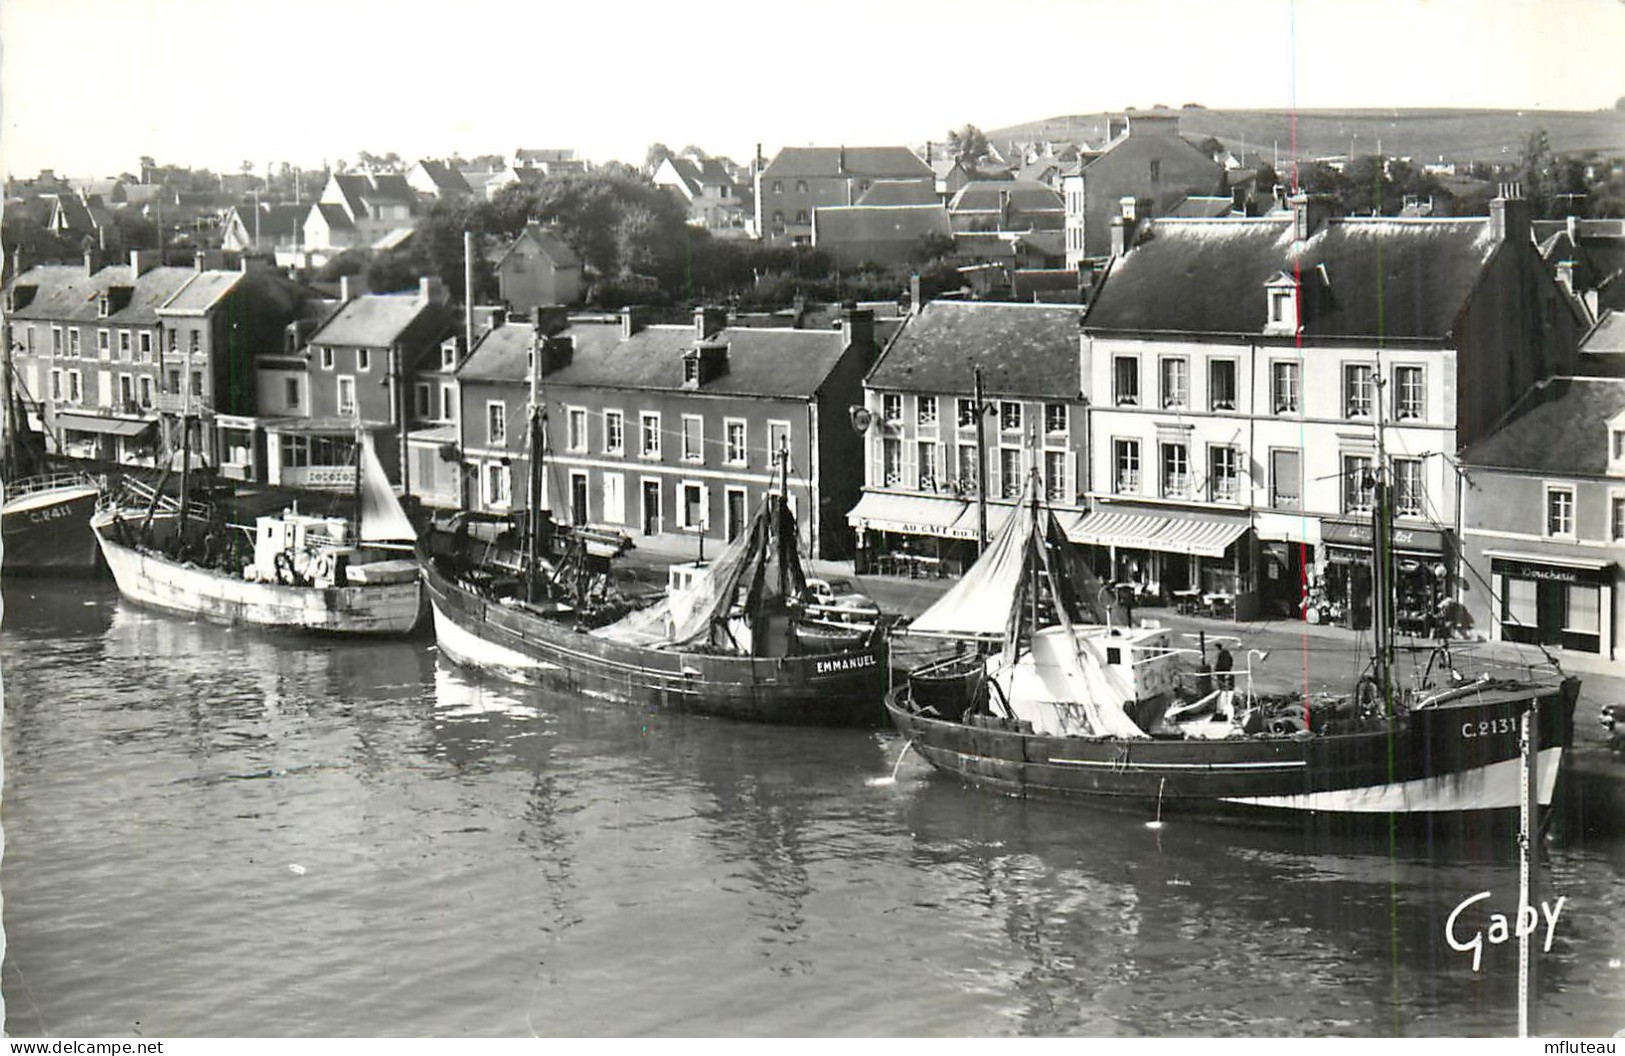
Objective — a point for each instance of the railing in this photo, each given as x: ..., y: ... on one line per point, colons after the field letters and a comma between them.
x: 49, y: 481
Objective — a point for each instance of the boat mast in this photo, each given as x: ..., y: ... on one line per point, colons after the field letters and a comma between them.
x: 186, y: 447
x: 981, y: 461
x: 783, y: 457
x: 356, y: 489
x: 536, y: 442
x: 1382, y: 561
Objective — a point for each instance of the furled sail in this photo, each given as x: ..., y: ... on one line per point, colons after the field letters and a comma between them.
x: 978, y: 606
x: 382, y: 519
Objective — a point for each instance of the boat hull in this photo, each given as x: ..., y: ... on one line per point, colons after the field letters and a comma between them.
x: 154, y: 581
x: 824, y: 689
x: 49, y: 531
x: 1456, y: 759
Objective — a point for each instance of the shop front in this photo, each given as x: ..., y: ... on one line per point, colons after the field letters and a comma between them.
x: 1341, y: 592
x: 1288, y: 547
x: 1554, y: 600
x: 918, y: 535
x: 1194, y: 562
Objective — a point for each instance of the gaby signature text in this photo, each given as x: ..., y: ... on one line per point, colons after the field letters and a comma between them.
x: 1499, y: 928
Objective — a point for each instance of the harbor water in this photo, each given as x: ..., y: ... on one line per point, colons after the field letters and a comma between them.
x: 221, y: 832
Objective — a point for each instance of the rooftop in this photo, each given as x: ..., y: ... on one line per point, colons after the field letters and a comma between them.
x: 1022, y: 349
x: 1559, y: 427
x: 792, y: 162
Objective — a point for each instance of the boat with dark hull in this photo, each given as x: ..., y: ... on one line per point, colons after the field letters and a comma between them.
x: 727, y: 646
x: 45, y: 516
x: 1064, y: 701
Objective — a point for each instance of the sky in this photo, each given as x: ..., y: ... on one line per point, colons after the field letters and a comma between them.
x: 88, y: 86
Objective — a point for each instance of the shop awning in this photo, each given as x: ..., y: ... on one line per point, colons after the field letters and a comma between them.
x: 95, y: 423
x: 910, y: 515
x: 966, y: 527
x: 1167, y: 532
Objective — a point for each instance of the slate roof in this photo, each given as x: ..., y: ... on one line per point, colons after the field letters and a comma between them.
x: 899, y: 192
x: 1203, y: 206
x: 447, y: 180
x: 792, y: 162
x: 1025, y: 196
x: 206, y: 288
x: 503, y: 354
x: 1208, y: 276
x: 1607, y: 336
x: 1023, y: 350
x: 776, y: 364
x: 1559, y: 427
x: 554, y: 248
x: 374, y: 320
x: 879, y: 223
x: 64, y: 293
x: 336, y: 217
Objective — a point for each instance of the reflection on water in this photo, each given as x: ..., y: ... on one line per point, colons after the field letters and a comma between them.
x: 222, y: 832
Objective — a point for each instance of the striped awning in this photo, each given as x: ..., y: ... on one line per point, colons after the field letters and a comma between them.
x: 1168, y: 532
x: 92, y: 423
x: 907, y: 514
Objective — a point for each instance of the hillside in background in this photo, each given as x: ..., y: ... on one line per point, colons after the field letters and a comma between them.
x: 1490, y: 136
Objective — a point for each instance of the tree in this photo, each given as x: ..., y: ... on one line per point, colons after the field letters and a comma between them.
x: 969, y: 144
x: 657, y: 153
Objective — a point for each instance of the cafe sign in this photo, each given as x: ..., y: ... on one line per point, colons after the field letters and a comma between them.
x: 1356, y: 534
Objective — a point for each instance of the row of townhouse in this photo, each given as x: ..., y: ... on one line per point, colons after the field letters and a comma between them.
x: 667, y: 432
x: 1209, y: 426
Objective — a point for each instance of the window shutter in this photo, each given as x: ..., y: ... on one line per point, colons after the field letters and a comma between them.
x: 995, y: 468
x: 877, y: 466
x: 911, y: 462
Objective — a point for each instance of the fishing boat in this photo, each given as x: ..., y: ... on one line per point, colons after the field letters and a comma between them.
x: 298, y: 571
x: 533, y: 600
x: 1053, y: 696
x: 45, y: 516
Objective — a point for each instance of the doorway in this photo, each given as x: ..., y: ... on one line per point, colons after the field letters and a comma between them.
x: 651, y: 507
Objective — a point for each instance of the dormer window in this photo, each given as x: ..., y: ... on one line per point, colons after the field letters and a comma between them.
x: 448, y: 355
x: 1281, y: 295
x: 1616, y: 445
x: 104, y: 306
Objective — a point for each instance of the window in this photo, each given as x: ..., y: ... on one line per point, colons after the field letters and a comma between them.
x: 1126, y: 381
x: 967, y: 468
x: 1559, y: 510
x: 733, y: 430
x: 926, y: 407
x: 28, y: 337
x: 1175, y: 383
x: 801, y: 216
x: 1616, y: 518
x: 927, y: 480
x: 290, y: 393
x: 1409, y: 499
x: 448, y: 355
x: 174, y: 384
x: 1281, y: 306
x: 1286, y: 479
x: 1126, y: 463
x: 693, y: 438
x: 448, y: 402
x: 691, y: 370
x: 965, y: 411
x: 125, y: 348
x: 1224, y: 473
x: 363, y: 359
x: 346, y: 395
x: 56, y: 385
x: 1156, y: 170
x: 1584, y: 609
x: 615, y: 498
x: 1176, y: 471
x: 1010, y: 472
x: 778, y: 186
x: 576, y: 428
x: 422, y: 400
x: 891, y: 408
x: 146, y: 391
x: 73, y: 343
x: 497, y: 482
x: 126, y: 389
x: 778, y: 218
x: 891, y: 462
x: 197, y: 383
x: 194, y: 341
x: 1407, y: 392
x: 1285, y: 385
x: 1518, y: 602
x: 1358, y: 389
x: 76, y: 387
x: 1055, y: 477
x: 325, y: 354
x: 496, y: 423
x: 1009, y: 416
x: 146, y: 346
x: 614, y: 433
x: 104, y: 344
x: 174, y: 341
x: 778, y: 445
x: 56, y: 340
x: 801, y: 186
x: 649, y: 435
x: 1358, y: 490
x: 695, y: 514
x: 1055, y: 419
x: 1221, y: 385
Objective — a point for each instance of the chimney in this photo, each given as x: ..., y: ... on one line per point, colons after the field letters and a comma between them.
x: 93, y: 261
x: 708, y: 322
x: 840, y: 160
x: 556, y: 351
x: 916, y: 294
x: 1509, y: 214
x: 431, y: 290
x: 1309, y: 214
x: 634, y: 317
x: 346, y: 293
x: 549, y: 319
x: 1571, y: 223
x: 488, y: 317
x: 1565, y: 274
x: 859, y: 326
x: 1127, y: 227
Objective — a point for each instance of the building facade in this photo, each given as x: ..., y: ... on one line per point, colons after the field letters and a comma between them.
x: 799, y: 180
